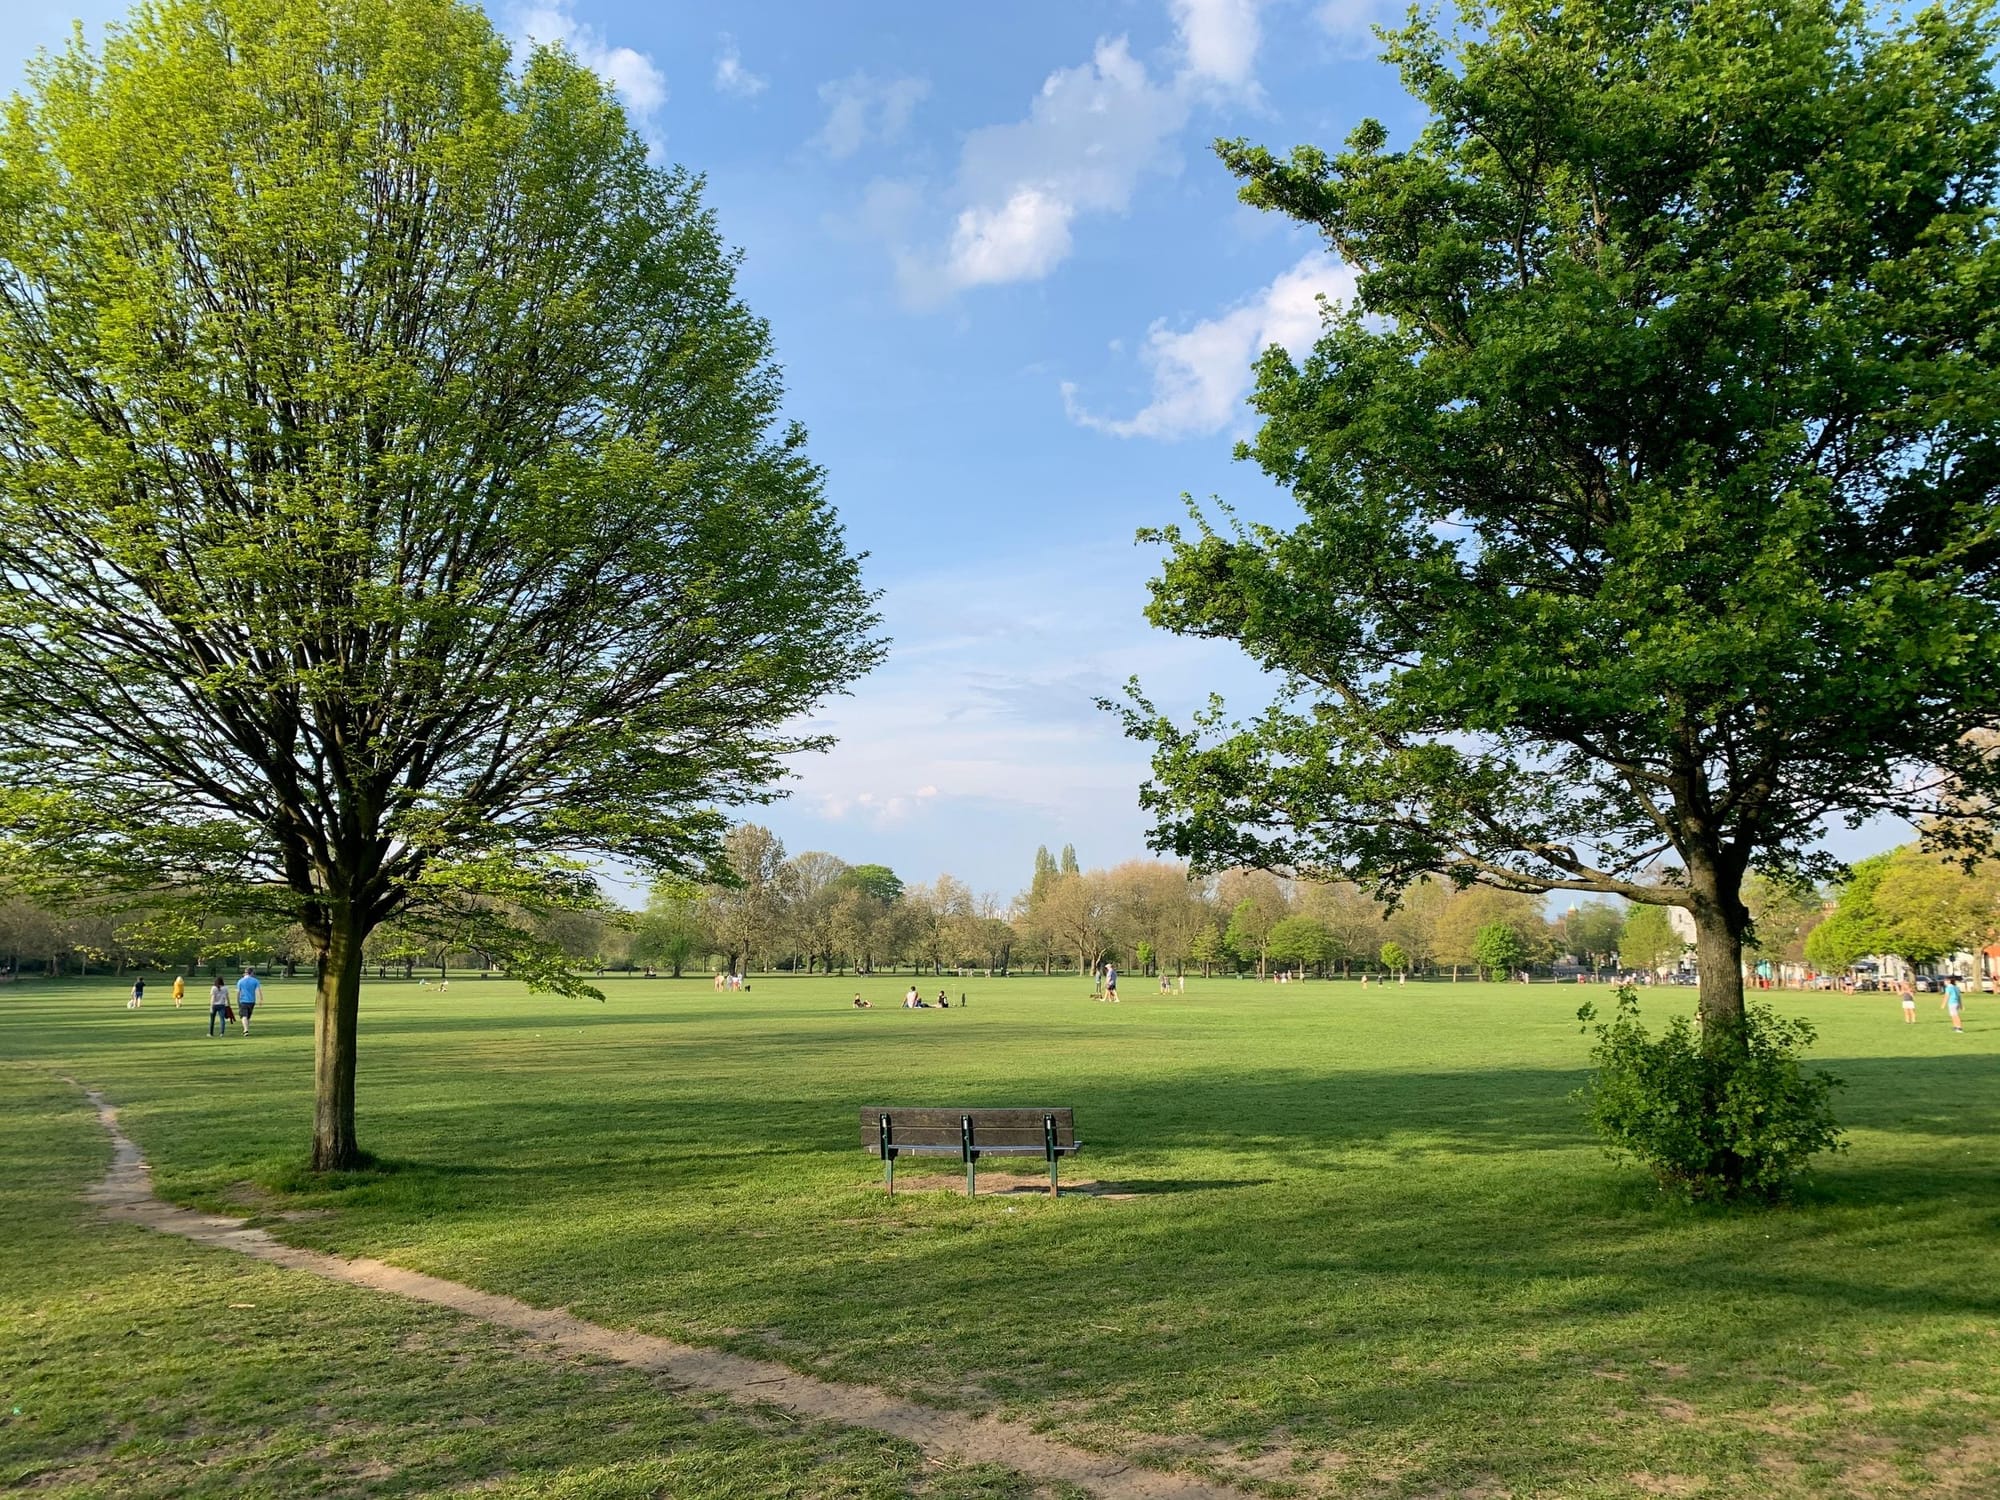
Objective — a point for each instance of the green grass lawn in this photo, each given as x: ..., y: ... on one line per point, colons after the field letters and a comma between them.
x: 1362, y: 1244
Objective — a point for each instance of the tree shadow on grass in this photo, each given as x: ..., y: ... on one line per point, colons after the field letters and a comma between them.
x: 1147, y: 1187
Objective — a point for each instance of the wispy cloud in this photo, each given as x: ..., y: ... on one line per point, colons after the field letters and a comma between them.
x: 639, y: 81
x: 731, y: 77
x: 1352, y: 23
x: 862, y: 110
x: 1201, y: 374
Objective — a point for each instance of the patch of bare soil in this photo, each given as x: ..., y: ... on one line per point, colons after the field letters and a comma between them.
x: 1667, y: 1484
x: 127, y: 1193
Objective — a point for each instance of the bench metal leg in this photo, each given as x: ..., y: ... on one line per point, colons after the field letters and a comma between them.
x: 890, y: 1163
x: 1049, y: 1145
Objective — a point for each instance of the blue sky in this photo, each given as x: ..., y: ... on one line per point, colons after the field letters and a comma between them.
x: 1016, y: 302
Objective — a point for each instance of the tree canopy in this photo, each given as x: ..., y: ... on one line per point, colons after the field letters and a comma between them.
x: 1646, y: 485
x: 1908, y: 903
x: 395, y: 506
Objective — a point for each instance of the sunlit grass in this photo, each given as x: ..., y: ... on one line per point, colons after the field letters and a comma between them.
x: 1359, y: 1241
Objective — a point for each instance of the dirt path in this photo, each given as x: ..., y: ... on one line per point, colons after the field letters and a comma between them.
x: 127, y: 1193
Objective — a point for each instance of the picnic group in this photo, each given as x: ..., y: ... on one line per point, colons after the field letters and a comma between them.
x: 912, y: 1000
x: 222, y: 1008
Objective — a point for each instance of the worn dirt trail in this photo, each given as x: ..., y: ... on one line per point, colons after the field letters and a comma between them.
x: 127, y: 1193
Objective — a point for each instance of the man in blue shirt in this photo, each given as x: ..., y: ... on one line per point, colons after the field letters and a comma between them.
x: 247, y: 989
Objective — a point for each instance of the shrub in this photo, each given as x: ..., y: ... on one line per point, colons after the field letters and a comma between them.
x: 1715, y: 1118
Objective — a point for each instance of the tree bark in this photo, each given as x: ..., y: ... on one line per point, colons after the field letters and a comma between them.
x: 1715, y: 900
x: 336, y: 1018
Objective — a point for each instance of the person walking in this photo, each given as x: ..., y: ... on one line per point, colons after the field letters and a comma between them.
x: 218, y: 1008
x: 180, y: 990
x: 1954, y: 1003
x: 1909, y: 988
x: 138, y: 997
x: 1111, y: 983
x: 247, y: 991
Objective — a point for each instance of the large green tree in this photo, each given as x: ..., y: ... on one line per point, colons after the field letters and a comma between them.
x: 395, y: 508
x: 1908, y: 903
x: 1647, y: 484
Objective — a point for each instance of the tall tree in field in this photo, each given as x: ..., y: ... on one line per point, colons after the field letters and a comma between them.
x: 1076, y: 912
x: 1413, y: 925
x: 1908, y: 903
x: 1353, y: 919
x: 1591, y: 931
x: 1472, y: 910
x: 746, y: 904
x: 1045, y: 872
x: 1648, y: 941
x: 1649, y: 481
x: 394, y: 505
x: 812, y: 883
x: 670, y: 930
x: 878, y: 881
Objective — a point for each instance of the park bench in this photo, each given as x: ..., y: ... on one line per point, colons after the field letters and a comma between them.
x: 968, y: 1134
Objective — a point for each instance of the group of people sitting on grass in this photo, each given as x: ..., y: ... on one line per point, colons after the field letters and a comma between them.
x: 911, y: 1001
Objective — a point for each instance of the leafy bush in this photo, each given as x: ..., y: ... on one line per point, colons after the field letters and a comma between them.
x: 1716, y: 1118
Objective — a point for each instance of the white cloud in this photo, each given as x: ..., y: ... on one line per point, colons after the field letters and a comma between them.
x: 1090, y: 133
x: 1219, y: 39
x: 1022, y: 240
x: 731, y: 77
x: 861, y: 110
x: 1201, y: 374
x: 1351, y: 23
x: 638, y: 80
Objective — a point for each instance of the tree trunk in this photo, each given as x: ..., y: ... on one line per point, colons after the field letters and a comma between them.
x: 1716, y: 903
x: 336, y: 1016
x: 1718, y: 954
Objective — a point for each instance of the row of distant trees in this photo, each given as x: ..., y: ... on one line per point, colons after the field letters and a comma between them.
x: 815, y: 912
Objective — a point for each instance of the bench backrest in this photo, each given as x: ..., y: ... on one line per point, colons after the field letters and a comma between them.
x: 992, y: 1129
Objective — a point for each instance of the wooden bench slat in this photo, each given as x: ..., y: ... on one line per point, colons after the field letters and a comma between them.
x: 1020, y: 1119
x: 941, y: 1149
x: 1000, y: 1131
